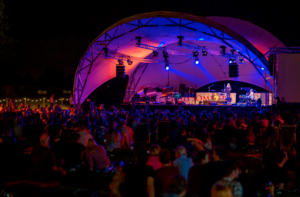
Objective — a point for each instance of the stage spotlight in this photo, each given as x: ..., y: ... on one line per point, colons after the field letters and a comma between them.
x: 241, y: 60
x: 165, y: 55
x: 120, y: 62
x: 195, y: 53
x: 232, y: 51
x: 262, y: 68
x: 155, y: 53
x: 223, y: 51
x: 167, y: 67
x: 129, y: 62
x: 197, y: 60
x: 231, y: 61
x: 180, y: 40
x: 204, y: 52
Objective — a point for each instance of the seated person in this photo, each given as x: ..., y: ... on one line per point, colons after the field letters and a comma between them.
x: 96, y: 156
x: 73, y: 152
x: 43, y: 165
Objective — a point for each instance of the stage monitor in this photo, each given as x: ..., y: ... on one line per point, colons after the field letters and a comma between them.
x: 288, y: 89
x: 167, y: 91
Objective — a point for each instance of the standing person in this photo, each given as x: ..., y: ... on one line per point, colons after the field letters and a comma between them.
x: 52, y: 101
x: 182, y: 162
x: 228, y: 90
x: 71, y: 100
x: 163, y: 175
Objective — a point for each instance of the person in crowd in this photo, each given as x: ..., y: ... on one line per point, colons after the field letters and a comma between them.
x: 163, y: 175
x: 240, y: 136
x: 83, y: 132
x: 220, y: 191
x: 177, y: 187
x: 74, y: 152
x: 138, y: 180
x: 153, y: 159
x: 71, y: 100
x: 96, y: 156
x: 52, y: 101
x: 277, y: 174
x: 250, y: 138
x: 195, y: 176
x: 173, y: 133
x: 213, y: 171
x: 126, y: 135
x: 113, y: 138
x: 100, y: 132
x: 8, y: 147
x: 18, y: 129
x: 43, y: 166
x: 273, y: 146
x: 231, y: 172
x: 182, y: 162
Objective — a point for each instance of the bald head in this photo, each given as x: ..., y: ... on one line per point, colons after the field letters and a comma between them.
x: 44, y: 139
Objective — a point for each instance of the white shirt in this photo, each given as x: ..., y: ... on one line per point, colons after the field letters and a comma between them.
x: 251, y: 95
x: 84, y: 138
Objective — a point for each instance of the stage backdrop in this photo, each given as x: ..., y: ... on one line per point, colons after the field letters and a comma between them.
x: 288, y: 89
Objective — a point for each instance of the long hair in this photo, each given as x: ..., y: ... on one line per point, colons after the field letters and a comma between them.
x: 91, y: 145
x: 113, y: 133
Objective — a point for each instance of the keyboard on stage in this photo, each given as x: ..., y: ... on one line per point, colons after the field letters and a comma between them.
x: 244, y: 97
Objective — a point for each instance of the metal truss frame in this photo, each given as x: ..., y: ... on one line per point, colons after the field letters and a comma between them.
x: 106, y: 38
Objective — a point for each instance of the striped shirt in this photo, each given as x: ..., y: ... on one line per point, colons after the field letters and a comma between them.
x: 235, y: 186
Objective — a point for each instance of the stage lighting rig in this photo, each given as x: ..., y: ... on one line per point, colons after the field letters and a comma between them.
x: 232, y: 61
x: 139, y: 38
x: 232, y: 51
x: 223, y: 49
x: 180, y: 40
x: 241, y: 60
x: 204, y: 52
x: 155, y: 53
x: 165, y: 55
x: 129, y: 62
x: 195, y: 55
x: 120, y: 62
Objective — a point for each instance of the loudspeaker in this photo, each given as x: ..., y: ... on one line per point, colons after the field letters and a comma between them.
x: 271, y: 62
x: 233, y: 70
x: 120, y: 71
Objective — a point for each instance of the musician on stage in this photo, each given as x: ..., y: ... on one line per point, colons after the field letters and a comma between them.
x: 228, y: 90
x: 251, y: 95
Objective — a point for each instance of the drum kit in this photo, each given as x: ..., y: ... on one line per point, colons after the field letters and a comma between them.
x: 217, y: 95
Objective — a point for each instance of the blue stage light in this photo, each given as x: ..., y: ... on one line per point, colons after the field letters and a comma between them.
x: 197, y: 61
x: 201, y: 38
x: 161, y: 44
x: 262, y: 68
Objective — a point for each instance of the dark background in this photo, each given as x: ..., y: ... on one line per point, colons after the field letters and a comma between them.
x: 45, y: 39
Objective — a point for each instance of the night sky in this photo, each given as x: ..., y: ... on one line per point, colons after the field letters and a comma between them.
x: 49, y: 37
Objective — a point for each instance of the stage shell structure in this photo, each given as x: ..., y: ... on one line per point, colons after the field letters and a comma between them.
x: 179, y: 34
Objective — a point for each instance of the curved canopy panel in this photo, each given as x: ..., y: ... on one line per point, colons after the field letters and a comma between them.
x: 161, y: 29
x: 257, y: 36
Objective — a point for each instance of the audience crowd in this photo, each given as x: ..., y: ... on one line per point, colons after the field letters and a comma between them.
x: 176, y: 153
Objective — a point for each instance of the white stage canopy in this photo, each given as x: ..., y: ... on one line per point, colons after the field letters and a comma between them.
x: 161, y: 29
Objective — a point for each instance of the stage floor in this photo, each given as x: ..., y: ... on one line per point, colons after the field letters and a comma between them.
x: 195, y: 109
